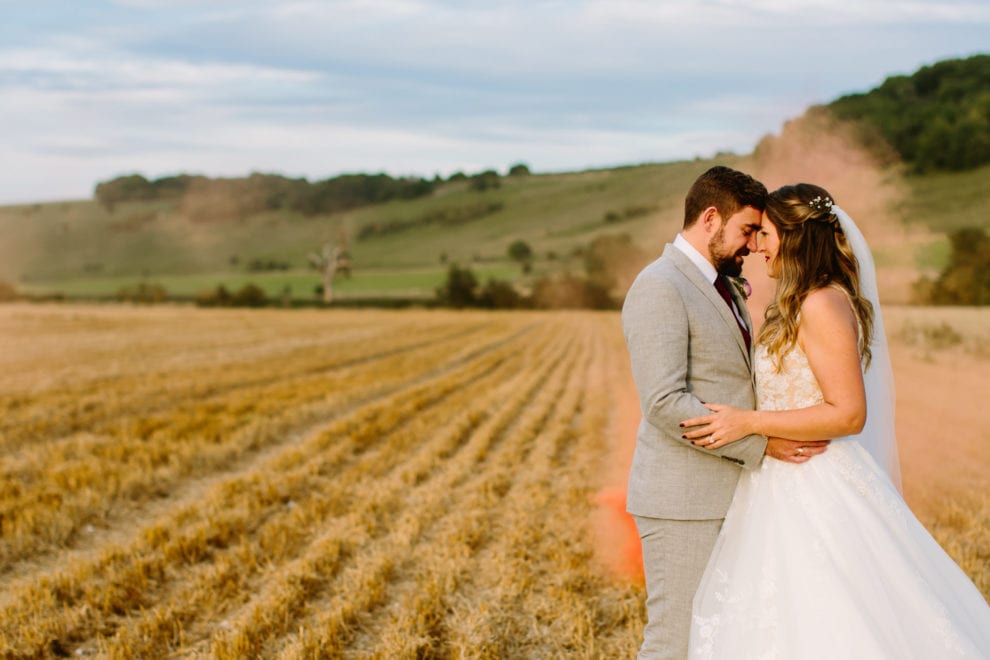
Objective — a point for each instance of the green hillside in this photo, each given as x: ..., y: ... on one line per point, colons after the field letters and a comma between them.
x: 946, y: 201
x: 191, y: 233
x: 74, y: 247
x: 936, y: 119
x: 80, y: 248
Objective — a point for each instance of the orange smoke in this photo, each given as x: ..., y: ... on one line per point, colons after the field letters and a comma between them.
x: 617, y: 543
x: 816, y: 148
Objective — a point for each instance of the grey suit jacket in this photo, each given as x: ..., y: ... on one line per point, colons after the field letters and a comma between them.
x: 686, y: 348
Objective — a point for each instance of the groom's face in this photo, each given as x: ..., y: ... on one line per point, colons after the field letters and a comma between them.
x: 735, y: 238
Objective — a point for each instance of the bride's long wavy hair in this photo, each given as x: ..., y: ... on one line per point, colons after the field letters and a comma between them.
x: 813, y: 253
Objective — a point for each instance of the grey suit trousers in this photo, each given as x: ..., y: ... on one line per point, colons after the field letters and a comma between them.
x: 675, y: 553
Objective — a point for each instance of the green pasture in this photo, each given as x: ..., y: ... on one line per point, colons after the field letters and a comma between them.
x: 300, y: 285
x: 945, y: 201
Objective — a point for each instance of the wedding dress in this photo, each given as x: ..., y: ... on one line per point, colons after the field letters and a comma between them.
x: 824, y: 559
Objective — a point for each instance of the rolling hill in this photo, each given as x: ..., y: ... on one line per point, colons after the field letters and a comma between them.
x: 78, y: 246
x: 401, y: 247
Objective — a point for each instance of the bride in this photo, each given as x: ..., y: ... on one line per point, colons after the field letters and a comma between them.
x: 824, y: 559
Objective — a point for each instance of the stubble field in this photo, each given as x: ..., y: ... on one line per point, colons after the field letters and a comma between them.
x: 181, y: 482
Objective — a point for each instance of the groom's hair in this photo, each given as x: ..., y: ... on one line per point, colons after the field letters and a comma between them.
x: 726, y: 189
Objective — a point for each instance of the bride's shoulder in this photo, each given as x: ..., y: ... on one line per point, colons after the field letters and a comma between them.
x: 827, y: 305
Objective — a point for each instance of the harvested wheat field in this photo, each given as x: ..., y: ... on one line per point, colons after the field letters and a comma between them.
x: 183, y: 482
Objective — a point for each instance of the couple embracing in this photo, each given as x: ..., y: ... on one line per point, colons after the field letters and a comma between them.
x: 763, y: 484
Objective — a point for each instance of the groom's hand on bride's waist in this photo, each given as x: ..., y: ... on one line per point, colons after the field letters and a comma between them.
x: 794, y: 451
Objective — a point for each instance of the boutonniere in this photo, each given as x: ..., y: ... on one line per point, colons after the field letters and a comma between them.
x: 742, y: 286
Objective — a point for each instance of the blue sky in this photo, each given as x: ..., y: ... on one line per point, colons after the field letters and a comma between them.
x: 94, y: 89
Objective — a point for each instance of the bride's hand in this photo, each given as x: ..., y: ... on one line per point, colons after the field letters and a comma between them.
x: 725, y: 425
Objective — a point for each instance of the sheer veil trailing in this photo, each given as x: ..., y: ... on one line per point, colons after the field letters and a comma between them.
x: 878, y: 436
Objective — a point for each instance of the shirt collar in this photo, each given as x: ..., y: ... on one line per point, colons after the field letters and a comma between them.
x: 705, y: 266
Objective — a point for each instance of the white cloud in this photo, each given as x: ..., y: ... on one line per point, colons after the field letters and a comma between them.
x: 415, y: 86
x: 120, y: 69
x: 683, y: 13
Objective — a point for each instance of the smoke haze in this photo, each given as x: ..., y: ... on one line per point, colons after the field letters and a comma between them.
x: 869, y: 187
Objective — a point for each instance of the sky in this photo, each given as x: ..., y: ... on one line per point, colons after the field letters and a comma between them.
x: 94, y: 89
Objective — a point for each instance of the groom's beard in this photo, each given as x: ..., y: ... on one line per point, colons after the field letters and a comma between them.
x: 725, y: 262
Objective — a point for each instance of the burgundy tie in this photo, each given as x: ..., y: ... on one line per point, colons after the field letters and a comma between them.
x: 723, y: 290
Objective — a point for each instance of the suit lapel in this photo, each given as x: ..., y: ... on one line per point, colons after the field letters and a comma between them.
x: 707, y: 289
x: 744, y: 310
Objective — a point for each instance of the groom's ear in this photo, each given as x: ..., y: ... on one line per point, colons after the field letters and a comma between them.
x: 711, y: 220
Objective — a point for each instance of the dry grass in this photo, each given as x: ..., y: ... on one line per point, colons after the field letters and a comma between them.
x: 362, y: 484
x: 359, y: 483
x: 941, y: 359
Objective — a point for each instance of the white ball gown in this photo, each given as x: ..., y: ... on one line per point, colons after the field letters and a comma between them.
x: 825, y: 560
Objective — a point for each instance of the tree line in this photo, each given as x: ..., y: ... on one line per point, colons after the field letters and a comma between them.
x: 206, y: 198
x: 265, y: 192
x: 935, y: 119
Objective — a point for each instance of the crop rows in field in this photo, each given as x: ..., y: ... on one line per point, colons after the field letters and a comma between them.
x: 287, y: 485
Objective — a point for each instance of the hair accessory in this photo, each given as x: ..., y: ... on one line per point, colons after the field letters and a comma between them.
x: 821, y: 203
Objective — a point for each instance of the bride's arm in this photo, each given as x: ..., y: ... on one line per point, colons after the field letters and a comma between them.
x: 828, y: 335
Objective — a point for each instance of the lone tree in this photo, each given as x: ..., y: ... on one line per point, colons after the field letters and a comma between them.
x: 332, y: 259
x: 966, y: 278
x: 520, y: 251
x: 487, y: 180
x: 459, y: 289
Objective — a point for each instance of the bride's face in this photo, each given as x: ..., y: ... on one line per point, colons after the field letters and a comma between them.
x: 768, y: 244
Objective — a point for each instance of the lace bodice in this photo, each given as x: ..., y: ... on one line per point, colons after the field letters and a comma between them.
x: 793, y: 387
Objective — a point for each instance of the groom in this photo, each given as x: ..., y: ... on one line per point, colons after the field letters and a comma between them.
x: 689, y: 338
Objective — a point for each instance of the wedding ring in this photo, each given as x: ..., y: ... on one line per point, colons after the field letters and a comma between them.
x: 800, y: 451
